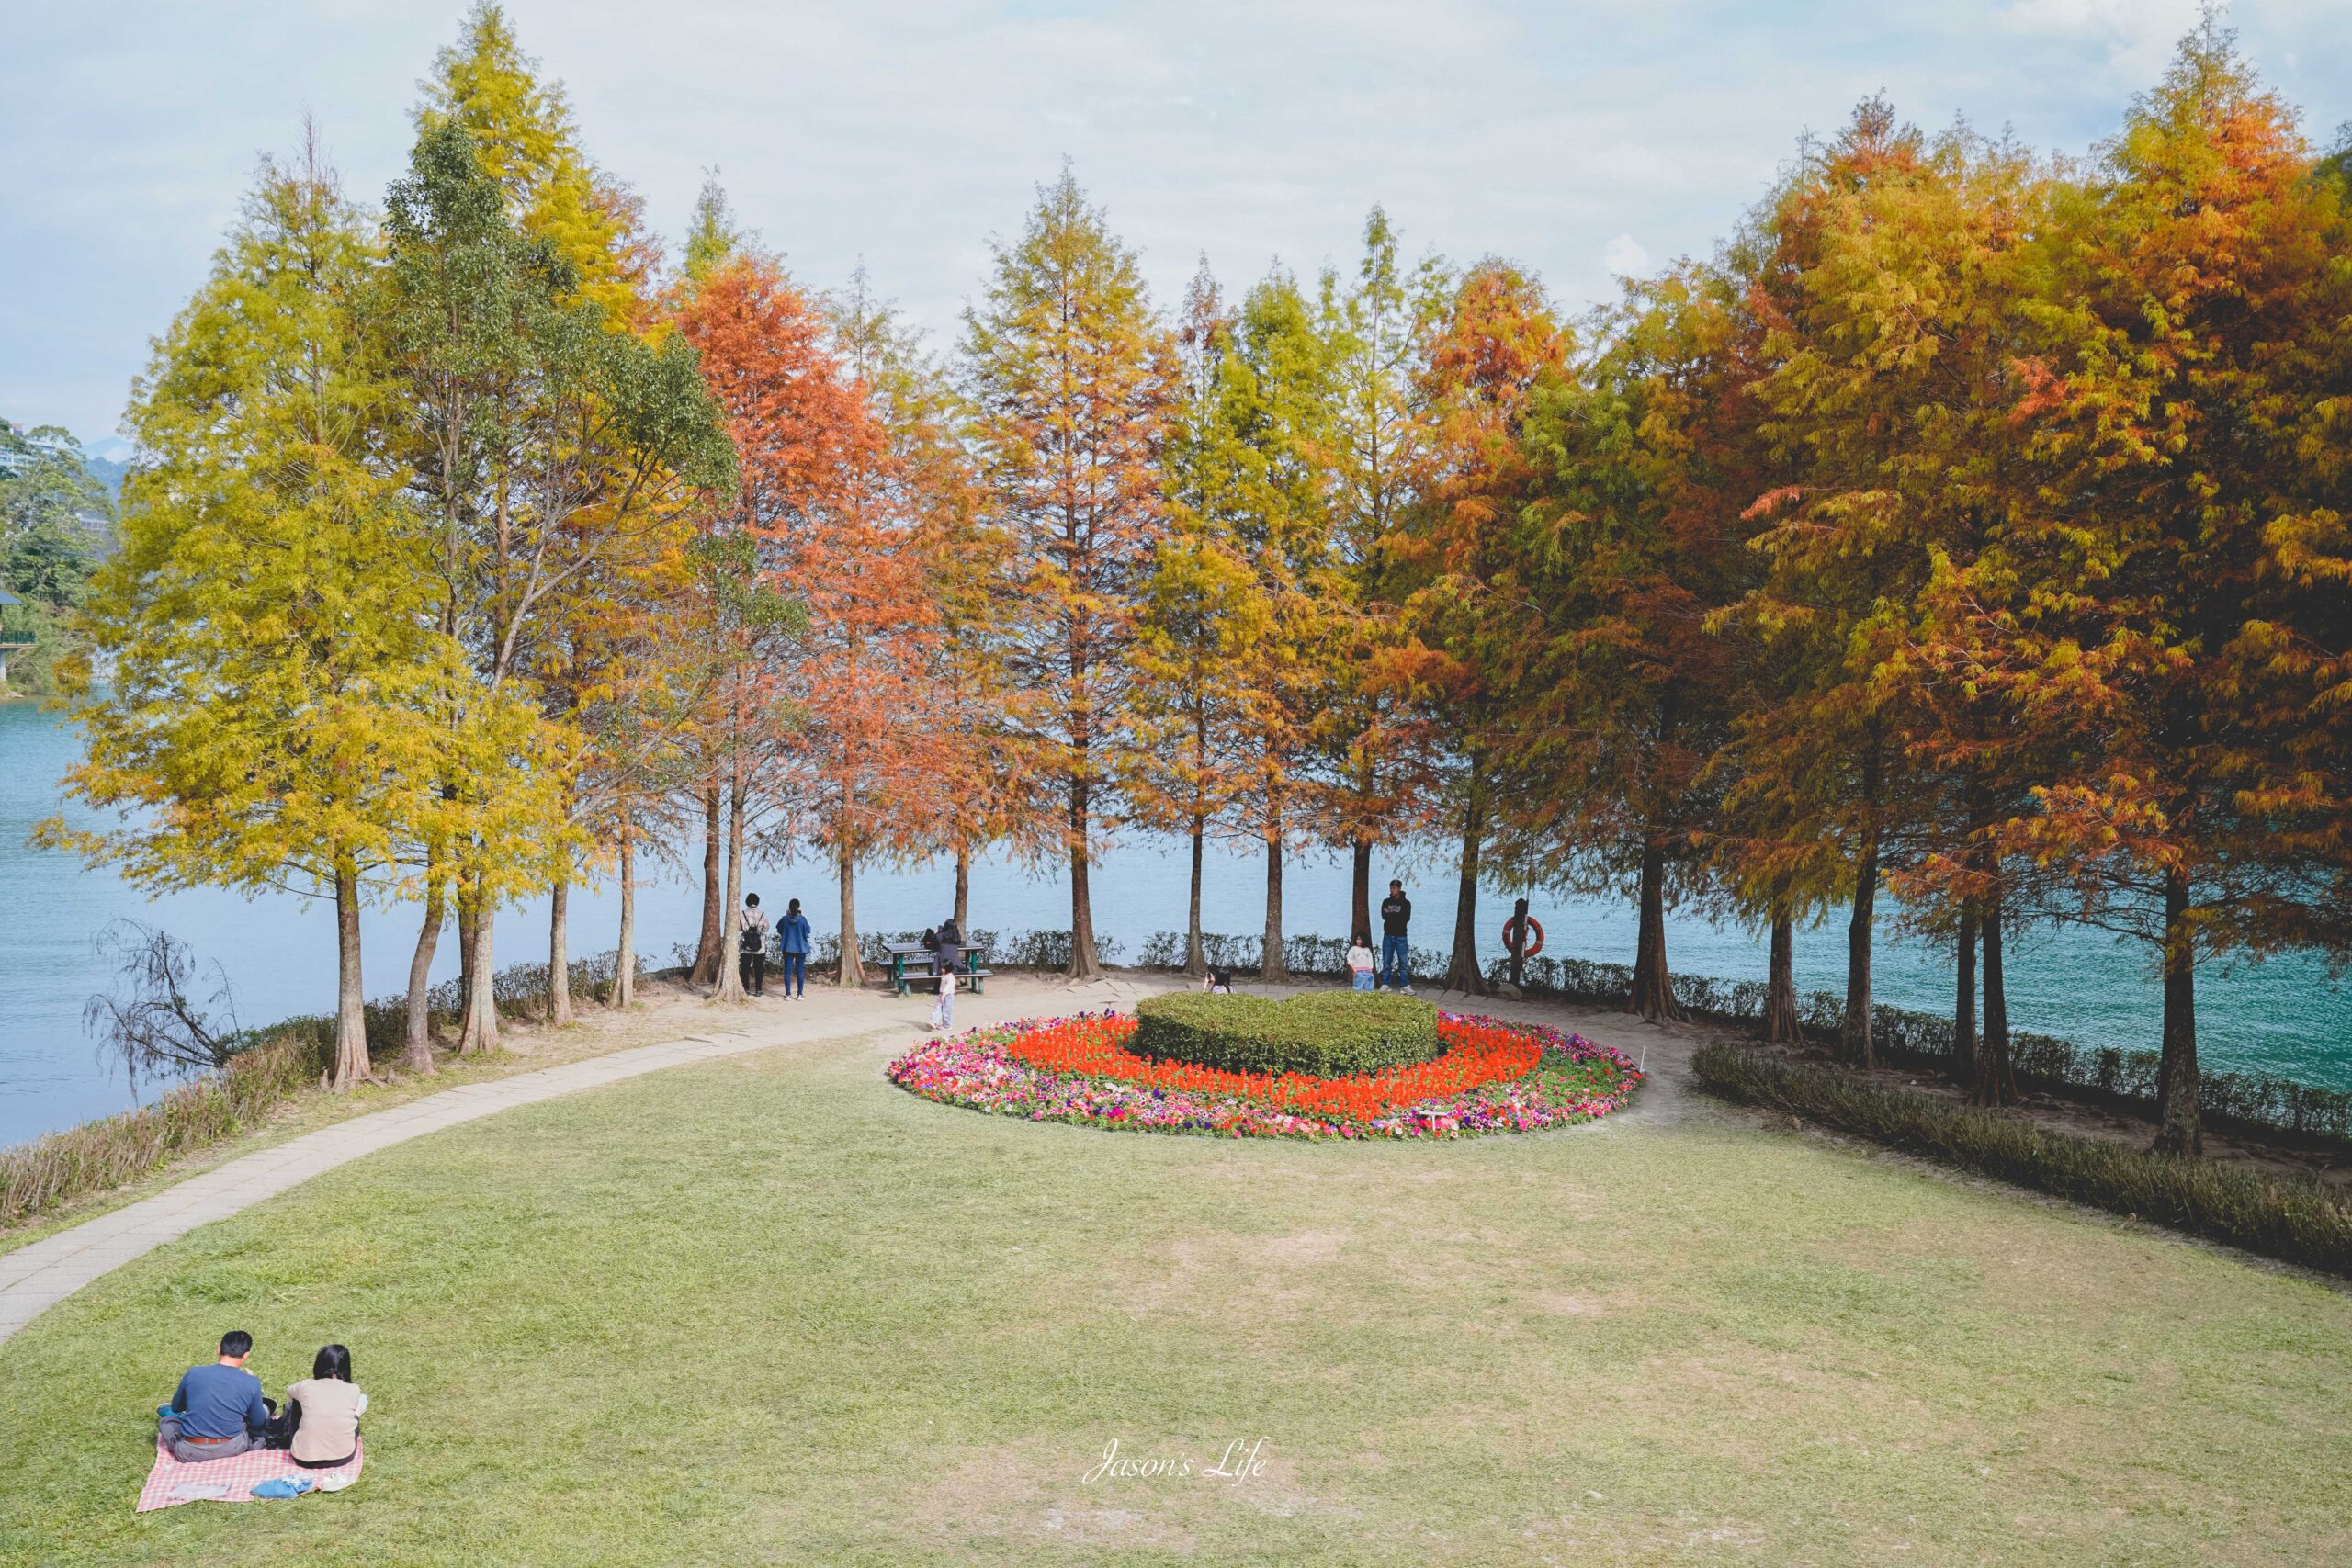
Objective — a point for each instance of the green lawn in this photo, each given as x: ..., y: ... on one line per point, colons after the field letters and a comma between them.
x: 774, y: 1310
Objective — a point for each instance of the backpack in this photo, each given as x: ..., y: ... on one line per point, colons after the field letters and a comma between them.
x: 755, y: 938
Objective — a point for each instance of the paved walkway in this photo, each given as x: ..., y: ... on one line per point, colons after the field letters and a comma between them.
x: 35, y: 1277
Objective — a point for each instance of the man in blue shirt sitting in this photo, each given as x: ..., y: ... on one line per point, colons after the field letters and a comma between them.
x: 217, y: 1410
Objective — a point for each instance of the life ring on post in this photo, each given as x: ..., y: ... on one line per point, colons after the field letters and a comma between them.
x: 1509, y: 926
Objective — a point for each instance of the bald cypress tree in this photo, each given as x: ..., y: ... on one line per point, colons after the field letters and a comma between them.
x: 1071, y: 381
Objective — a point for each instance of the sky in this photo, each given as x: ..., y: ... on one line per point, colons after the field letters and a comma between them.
x: 1584, y: 139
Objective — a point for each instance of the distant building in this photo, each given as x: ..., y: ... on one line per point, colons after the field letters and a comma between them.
x: 14, y: 633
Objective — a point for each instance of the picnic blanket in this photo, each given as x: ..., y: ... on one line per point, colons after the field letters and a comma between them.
x: 232, y: 1480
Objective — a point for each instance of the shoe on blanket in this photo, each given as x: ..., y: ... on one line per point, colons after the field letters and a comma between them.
x: 335, y: 1480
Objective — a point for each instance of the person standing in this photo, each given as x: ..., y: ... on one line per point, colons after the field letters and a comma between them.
x: 754, y: 946
x: 1360, y: 962
x: 792, y: 945
x: 218, y: 1411
x: 948, y: 953
x: 1396, y: 950
x: 943, y: 1012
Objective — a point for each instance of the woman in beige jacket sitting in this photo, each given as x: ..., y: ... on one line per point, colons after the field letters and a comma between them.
x: 321, y: 1421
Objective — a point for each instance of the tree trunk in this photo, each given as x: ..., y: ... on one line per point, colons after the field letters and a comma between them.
x: 481, y: 1035
x: 1994, y: 1023
x: 1271, y: 969
x: 351, y: 1064
x: 1995, y: 1080
x: 1462, y: 971
x: 416, y: 1052
x: 1196, y: 962
x: 466, y: 954
x: 1854, y: 1038
x: 625, y: 951
x: 1084, y: 963
x: 1360, y: 889
x: 2179, y: 1128
x: 730, y: 973
x: 560, y: 952
x: 1963, y: 1007
x: 709, y: 954
x: 851, y: 970
x: 1652, y: 994
x: 1783, y: 1024
x: 963, y: 886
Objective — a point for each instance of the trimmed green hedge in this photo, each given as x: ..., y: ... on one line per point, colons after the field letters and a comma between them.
x: 2255, y: 1104
x: 1332, y: 1035
x: 2297, y: 1220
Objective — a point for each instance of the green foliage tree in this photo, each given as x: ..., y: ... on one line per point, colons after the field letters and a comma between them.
x: 1375, y: 752
x: 1260, y: 465
x: 56, y: 520
x: 1070, y: 380
x: 1196, y: 619
x: 545, y: 447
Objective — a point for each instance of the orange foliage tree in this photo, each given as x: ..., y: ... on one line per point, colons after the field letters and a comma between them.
x: 804, y: 444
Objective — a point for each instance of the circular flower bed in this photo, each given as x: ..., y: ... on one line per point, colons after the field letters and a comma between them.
x: 1493, y: 1077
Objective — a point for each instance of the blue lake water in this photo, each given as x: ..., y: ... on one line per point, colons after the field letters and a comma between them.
x: 277, y: 950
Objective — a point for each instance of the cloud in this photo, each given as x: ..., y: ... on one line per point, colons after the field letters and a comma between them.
x: 2138, y: 36
x: 1624, y: 257
x: 907, y: 135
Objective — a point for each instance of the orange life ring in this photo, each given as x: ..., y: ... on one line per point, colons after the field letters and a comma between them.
x: 1534, y: 924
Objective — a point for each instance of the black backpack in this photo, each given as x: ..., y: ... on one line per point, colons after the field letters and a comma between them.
x: 755, y: 938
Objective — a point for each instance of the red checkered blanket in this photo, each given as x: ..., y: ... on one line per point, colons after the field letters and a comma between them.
x: 232, y: 1480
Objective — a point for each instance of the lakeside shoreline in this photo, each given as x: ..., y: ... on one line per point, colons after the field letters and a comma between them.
x: 1713, y: 1006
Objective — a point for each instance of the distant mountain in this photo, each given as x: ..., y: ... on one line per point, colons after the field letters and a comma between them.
x: 107, y: 471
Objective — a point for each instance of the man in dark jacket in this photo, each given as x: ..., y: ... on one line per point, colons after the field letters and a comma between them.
x: 1395, y: 915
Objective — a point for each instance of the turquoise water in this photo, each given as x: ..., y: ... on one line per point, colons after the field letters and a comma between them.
x: 278, y: 950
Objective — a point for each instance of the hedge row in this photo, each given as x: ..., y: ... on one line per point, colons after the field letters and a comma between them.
x: 1003, y: 950
x: 1331, y: 1035
x: 1301, y: 954
x: 2250, y: 1102
x: 2256, y: 1103
x: 2299, y: 1221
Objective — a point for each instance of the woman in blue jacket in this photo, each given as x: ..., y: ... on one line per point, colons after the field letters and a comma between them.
x: 792, y: 945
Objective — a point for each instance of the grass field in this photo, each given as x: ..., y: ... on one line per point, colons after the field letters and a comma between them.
x: 774, y: 1310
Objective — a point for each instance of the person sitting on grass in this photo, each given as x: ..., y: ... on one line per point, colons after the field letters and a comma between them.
x: 218, y: 1411
x: 1361, y: 962
x: 320, y: 1421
